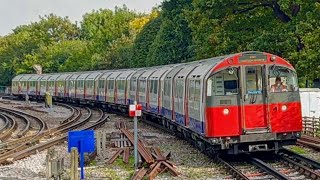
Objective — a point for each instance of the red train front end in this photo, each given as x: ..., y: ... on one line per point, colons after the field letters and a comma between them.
x: 252, y: 103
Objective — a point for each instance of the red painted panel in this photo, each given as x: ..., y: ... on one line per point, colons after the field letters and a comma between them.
x: 286, y: 121
x: 255, y: 116
x: 220, y: 125
x: 234, y: 61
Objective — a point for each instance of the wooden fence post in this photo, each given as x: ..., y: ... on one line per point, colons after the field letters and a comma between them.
x: 74, y: 174
x: 98, y: 138
x: 104, y: 139
x: 313, y: 127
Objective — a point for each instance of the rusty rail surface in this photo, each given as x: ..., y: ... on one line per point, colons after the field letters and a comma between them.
x: 6, y: 123
x: 26, y: 151
x: 34, y: 140
x: 156, y: 161
x: 145, y: 153
x: 22, y: 143
x: 75, y: 115
x: 24, y: 119
x: 42, y: 146
x: 306, y: 166
x: 42, y: 124
x: 6, y: 135
x: 308, y: 141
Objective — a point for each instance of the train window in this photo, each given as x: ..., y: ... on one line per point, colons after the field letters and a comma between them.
x: 121, y: 84
x: 80, y: 84
x: 179, y: 89
x: 254, y: 80
x: 133, y: 85
x: 110, y: 84
x: 191, y: 90
x: 155, y: 87
x: 43, y: 84
x: 151, y: 86
x: 223, y: 83
x: 282, y: 79
x: 167, y: 88
x: 101, y: 84
x: 142, y: 87
x: 197, y: 91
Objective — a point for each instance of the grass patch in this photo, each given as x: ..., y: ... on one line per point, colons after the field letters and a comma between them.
x: 298, y: 150
x: 128, y: 167
x: 93, y: 163
x: 112, y: 174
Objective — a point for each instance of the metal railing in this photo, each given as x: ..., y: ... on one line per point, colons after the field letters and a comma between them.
x: 311, y: 126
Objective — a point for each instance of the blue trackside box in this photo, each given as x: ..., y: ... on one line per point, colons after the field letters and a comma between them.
x: 83, y: 140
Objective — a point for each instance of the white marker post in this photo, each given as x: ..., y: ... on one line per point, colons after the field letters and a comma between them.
x: 134, y: 111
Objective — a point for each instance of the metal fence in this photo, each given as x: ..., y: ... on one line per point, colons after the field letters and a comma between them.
x: 311, y: 126
x: 5, y: 89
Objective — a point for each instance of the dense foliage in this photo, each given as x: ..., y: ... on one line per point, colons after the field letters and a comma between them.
x: 177, y: 31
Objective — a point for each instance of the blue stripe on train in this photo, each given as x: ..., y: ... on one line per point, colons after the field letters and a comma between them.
x: 179, y: 118
x: 144, y: 105
x: 154, y: 109
x: 101, y: 98
x: 121, y: 101
x: 196, y: 125
x: 166, y: 113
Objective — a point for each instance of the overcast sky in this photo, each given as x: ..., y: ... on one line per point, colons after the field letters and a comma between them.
x: 17, y: 12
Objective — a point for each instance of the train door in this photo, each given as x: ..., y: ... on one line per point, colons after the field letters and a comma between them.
x: 254, y: 101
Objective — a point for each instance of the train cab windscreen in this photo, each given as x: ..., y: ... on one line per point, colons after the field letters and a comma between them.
x: 282, y: 79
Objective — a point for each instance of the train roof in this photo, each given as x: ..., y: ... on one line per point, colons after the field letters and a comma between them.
x: 216, y: 63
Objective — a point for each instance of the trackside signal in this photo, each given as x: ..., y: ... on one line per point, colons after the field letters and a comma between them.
x: 135, y: 110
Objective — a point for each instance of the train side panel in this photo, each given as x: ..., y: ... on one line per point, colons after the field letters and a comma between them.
x: 180, y: 95
x: 168, y: 91
x: 144, y: 88
x: 111, y: 87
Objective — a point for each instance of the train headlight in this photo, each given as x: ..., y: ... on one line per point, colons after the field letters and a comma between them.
x: 226, y: 111
x: 284, y: 108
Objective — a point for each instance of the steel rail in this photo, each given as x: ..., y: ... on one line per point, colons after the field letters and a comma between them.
x: 42, y: 124
x: 6, y: 122
x: 4, y: 136
x: 307, y: 171
x: 310, y: 162
x: 35, y: 139
x: 23, y: 118
x: 270, y: 170
x: 32, y: 140
x: 42, y: 146
x: 75, y: 115
x: 235, y: 173
x: 311, y: 142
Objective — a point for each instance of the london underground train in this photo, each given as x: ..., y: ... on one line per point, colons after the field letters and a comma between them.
x: 242, y: 102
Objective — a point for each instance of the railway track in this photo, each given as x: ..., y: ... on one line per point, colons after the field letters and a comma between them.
x: 11, y: 127
x: 309, y: 141
x: 13, y: 144
x: 77, y: 120
x: 5, y: 123
x: 285, y: 164
x: 90, y: 122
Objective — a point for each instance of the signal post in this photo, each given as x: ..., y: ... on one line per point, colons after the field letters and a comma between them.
x: 135, y: 111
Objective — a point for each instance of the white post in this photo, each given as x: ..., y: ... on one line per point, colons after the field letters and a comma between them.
x: 135, y: 140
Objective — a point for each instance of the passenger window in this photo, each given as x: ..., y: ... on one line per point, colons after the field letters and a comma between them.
x: 111, y: 83
x: 142, y: 87
x: 224, y: 83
